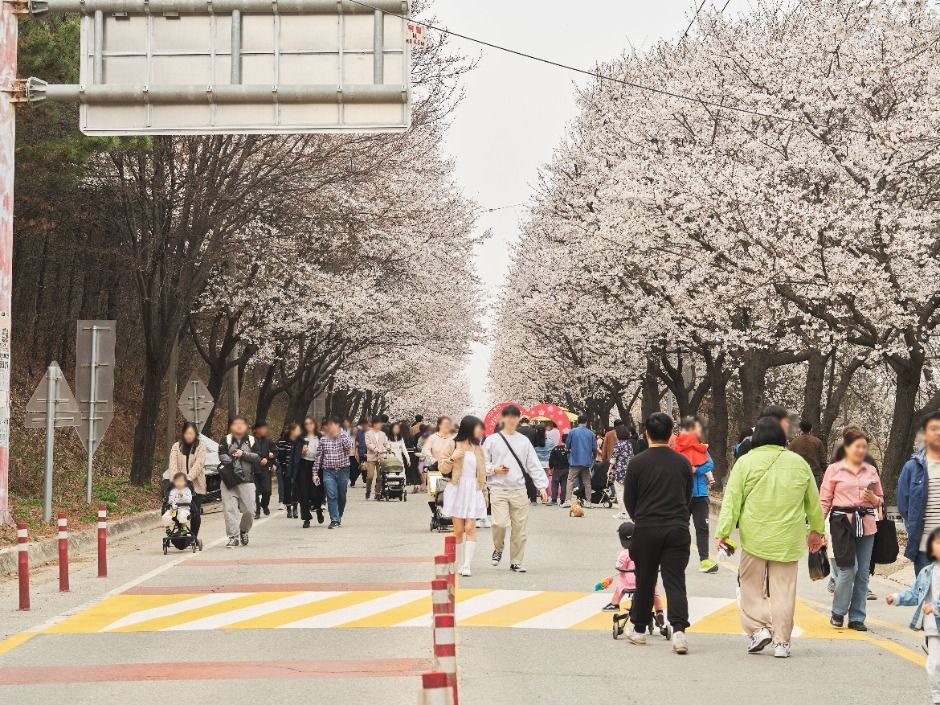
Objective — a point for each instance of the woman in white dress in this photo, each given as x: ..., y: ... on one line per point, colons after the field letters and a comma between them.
x: 463, y: 497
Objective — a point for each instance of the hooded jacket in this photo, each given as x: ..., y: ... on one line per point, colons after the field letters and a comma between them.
x: 912, y: 499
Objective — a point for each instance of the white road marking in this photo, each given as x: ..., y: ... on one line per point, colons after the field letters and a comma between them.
x: 239, y: 615
x: 354, y: 612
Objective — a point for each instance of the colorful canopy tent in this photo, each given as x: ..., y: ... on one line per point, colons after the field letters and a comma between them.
x: 551, y: 412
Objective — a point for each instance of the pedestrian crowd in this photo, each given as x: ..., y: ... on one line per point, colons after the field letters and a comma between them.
x: 781, y: 498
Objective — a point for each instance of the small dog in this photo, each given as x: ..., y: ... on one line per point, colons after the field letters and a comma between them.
x: 576, y: 509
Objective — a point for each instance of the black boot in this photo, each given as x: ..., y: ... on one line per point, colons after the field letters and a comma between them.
x: 319, y: 515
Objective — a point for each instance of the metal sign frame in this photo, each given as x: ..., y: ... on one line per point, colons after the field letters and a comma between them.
x: 238, y: 66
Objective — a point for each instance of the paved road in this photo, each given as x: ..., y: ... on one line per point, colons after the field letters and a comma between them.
x: 343, y: 616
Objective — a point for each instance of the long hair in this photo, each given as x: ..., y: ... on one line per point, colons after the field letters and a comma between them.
x: 186, y: 426
x: 467, y: 430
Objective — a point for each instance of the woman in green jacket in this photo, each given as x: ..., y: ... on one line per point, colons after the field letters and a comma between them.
x: 771, y: 498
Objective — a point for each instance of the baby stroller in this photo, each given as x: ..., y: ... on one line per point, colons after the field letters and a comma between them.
x: 177, y: 534
x: 602, y: 485
x: 436, y: 485
x: 391, y: 483
x: 621, y: 618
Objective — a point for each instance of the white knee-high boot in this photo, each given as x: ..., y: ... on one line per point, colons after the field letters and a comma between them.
x: 469, y: 547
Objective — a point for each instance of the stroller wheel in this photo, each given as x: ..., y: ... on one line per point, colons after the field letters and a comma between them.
x: 610, y: 504
x: 166, y: 545
x: 404, y: 496
x: 666, y: 631
x: 616, y: 631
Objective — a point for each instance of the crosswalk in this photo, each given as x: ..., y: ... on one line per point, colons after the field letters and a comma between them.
x: 350, y: 609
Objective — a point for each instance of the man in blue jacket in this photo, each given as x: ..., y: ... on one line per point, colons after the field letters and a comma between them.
x: 919, y: 492
x: 582, y: 449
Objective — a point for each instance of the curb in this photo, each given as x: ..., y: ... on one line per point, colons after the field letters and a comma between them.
x: 80, y: 542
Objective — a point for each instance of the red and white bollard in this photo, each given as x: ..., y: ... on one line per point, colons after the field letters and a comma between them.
x: 450, y: 551
x: 102, y: 541
x: 444, y: 631
x: 435, y: 690
x: 446, y: 657
x: 63, y: 553
x: 442, y: 572
x: 22, y: 547
x: 440, y: 600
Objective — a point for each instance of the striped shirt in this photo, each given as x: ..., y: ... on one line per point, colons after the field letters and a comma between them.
x: 932, y: 511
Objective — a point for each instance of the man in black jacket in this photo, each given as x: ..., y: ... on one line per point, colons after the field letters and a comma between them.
x: 657, y: 493
x: 266, y: 451
x: 238, y: 491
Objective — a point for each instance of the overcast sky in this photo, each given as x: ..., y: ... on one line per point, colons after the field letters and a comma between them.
x: 515, y: 110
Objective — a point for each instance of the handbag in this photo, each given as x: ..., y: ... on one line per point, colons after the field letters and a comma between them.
x: 530, y: 487
x: 818, y: 564
x: 886, y: 549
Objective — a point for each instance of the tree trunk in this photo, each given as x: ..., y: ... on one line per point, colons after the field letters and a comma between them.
x: 903, y: 424
x: 753, y: 377
x: 145, y: 433
x: 718, y: 418
x: 650, y: 399
x: 266, y: 395
x: 171, y: 396
x: 813, y: 389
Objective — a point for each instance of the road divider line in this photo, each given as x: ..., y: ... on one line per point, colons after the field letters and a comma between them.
x: 214, y: 670
x: 306, y: 560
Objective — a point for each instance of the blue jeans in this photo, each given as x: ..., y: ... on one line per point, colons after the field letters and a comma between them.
x: 852, y: 583
x: 336, y: 482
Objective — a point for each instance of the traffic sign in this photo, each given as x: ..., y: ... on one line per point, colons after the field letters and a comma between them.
x: 67, y: 412
x: 94, y: 380
x: 52, y: 406
x: 196, y: 402
x: 238, y: 66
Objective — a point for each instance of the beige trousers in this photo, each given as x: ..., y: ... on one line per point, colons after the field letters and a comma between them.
x: 768, y: 596
x: 510, y: 511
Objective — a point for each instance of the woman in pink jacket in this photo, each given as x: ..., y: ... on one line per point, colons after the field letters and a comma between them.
x: 850, y: 494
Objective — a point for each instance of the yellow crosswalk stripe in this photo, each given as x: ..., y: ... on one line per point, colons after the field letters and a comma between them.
x: 396, y: 615
x: 99, y: 616
x: 279, y: 618
x: 521, y: 610
x: 181, y: 618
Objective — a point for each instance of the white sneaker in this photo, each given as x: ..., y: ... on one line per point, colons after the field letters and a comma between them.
x: 566, y: 505
x: 759, y: 640
x: 466, y: 572
x: 488, y: 522
x: 587, y: 505
x: 280, y: 506
x: 781, y: 651
x: 621, y: 515
x: 680, y: 645
x: 638, y: 638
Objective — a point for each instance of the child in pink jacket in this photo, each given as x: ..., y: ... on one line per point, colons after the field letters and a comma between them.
x: 625, y: 582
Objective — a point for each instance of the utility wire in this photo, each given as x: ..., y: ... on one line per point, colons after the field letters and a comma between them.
x: 695, y: 17
x: 594, y: 74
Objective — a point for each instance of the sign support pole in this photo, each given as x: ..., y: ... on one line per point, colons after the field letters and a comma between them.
x: 92, y: 411
x: 8, y: 39
x: 52, y: 391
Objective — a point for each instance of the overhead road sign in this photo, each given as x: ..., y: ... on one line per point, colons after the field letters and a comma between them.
x: 237, y: 66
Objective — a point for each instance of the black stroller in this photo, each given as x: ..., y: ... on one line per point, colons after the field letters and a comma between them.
x: 657, y: 623
x: 178, y: 534
x: 436, y: 485
x: 602, y: 484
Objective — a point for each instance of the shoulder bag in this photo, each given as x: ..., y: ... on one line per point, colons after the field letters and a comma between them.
x: 530, y: 487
